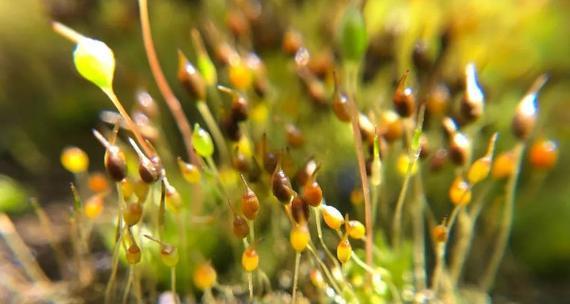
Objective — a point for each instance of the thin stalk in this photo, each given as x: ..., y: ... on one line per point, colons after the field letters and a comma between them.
x: 47, y: 227
x: 265, y: 280
x: 208, y: 296
x: 20, y: 250
x: 506, y: 223
x: 251, y: 231
x: 137, y: 287
x: 216, y: 132
x: 413, y: 156
x: 162, y: 209
x: 419, y: 238
x: 296, y: 277
x: 317, y: 212
x: 464, y: 238
x: 130, y: 123
x: 250, y: 285
x: 396, y: 225
x: 352, y: 77
x: 172, y: 102
x: 129, y: 283
x: 114, y: 268
x: 66, y: 32
x: 245, y: 246
x: 375, y: 201
x: 173, y: 284
x: 117, y: 246
x: 361, y: 263
x: 438, y: 270
x: 325, y: 270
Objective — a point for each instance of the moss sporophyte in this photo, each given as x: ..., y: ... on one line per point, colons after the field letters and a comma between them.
x: 289, y: 140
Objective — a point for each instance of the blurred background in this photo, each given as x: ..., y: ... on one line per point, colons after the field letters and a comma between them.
x: 45, y: 106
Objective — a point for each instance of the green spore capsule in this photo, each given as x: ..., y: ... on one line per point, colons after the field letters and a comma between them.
x: 202, y: 142
x: 353, y: 38
x: 95, y: 61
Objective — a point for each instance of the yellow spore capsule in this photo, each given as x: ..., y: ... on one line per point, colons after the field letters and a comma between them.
x: 141, y: 190
x: 439, y: 233
x: 317, y: 279
x: 127, y: 188
x: 479, y: 170
x: 333, y: 218
x: 460, y: 192
x: 259, y: 113
x: 344, y: 250
x: 240, y: 75
x: 205, y: 276
x: 190, y: 172
x: 402, y: 164
x: 133, y: 254
x: 356, y: 230
x: 93, y: 207
x: 132, y: 214
x: 504, y: 165
x: 299, y: 237
x: 74, y: 160
x: 250, y: 259
x: 169, y: 255
x: 356, y: 197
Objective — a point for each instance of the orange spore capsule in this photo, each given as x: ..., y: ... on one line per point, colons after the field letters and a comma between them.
x: 543, y: 154
x: 504, y: 165
x: 460, y: 192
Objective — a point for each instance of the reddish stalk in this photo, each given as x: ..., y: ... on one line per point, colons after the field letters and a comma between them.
x: 362, y: 169
x: 171, y: 101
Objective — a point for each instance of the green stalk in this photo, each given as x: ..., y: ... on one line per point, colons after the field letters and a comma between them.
x: 214, y: 129
x: 129, y: 283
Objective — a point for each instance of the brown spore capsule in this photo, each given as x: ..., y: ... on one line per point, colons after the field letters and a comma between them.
x: 149, y: 171
x: 312, y: 193
x: 249, y: 202
x: 115, y: 163
x: 459, y: 148
x: 230, y: 127
x: 294, y: 136
x: 240, y: 227
x: 403, y: 99
x: 292, y: 42
x: 299, y: 210
x: 281, y: 186
x: 190, y: 78
x: 473, y: 101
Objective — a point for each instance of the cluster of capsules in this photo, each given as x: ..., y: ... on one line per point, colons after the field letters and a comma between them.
x: 233, y: 123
